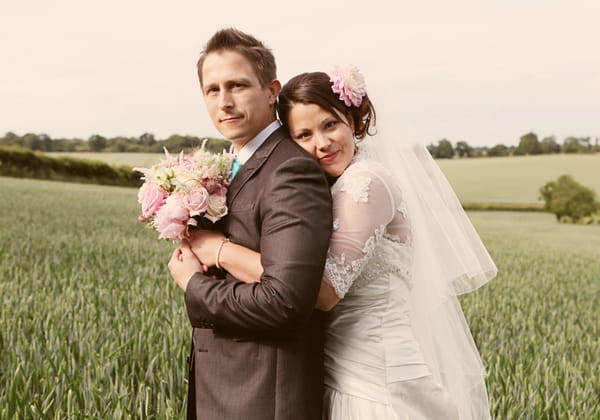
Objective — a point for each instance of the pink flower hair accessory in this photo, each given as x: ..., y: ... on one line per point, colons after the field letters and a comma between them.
x: 349, y: 83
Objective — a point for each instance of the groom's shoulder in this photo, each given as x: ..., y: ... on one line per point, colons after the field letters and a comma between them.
x: 286, y: 151
x: 288, y: 154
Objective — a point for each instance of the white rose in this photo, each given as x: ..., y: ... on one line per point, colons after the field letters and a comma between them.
x: 217, y: 207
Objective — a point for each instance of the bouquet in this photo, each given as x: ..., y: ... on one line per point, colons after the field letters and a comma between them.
x: 184, y: 190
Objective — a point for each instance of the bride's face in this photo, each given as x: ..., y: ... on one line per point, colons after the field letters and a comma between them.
x: 325, y: 136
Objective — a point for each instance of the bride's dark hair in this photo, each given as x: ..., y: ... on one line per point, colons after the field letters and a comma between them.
x: 315, y: 88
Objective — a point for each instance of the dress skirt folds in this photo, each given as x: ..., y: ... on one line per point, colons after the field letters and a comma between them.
x: 374, y: 369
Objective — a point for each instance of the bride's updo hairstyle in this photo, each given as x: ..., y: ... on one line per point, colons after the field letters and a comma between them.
x: 316, y: 88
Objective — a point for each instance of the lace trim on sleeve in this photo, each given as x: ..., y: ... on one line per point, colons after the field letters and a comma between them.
x: 341, y: 273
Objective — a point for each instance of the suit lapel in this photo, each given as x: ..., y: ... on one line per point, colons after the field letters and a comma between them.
x: 254, y: 163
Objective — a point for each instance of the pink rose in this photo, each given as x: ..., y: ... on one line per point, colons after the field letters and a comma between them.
x: 196, y: 201
x: 152, y: 198
x: 171, y: 220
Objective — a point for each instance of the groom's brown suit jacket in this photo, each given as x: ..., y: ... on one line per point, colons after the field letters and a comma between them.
x: 257, y: 349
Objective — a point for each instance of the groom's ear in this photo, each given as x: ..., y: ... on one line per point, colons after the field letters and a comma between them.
x: 274, y: 87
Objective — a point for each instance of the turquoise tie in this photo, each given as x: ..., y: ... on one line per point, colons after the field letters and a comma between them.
x: 235, y: 166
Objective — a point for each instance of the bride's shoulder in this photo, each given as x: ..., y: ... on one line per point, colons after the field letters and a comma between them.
x: 364, y: 165
x: 363, y: 177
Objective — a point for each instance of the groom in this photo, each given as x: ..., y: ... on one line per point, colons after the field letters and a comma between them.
x: 257, y: 348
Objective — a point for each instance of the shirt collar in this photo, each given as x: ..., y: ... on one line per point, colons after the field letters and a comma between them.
x: 249, y: 148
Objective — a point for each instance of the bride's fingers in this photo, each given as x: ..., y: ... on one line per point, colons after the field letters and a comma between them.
x: 176, y: 255
x: 186, y: 250
x: 187, y: 253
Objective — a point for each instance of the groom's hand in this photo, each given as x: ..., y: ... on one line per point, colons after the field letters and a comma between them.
x: 183, y: 265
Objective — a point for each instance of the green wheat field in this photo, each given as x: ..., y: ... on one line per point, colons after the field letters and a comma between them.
x: 92, y: 327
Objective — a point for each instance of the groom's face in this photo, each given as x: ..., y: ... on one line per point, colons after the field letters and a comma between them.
x: 237, y: 103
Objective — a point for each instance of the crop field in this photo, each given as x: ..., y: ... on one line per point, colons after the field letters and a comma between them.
x: 92, y: 326
x: 515, y: 179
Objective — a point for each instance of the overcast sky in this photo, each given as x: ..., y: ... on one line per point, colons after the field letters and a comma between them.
x: 485, y: 71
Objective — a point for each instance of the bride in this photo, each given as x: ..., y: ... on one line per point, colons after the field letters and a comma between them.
x: 397, y: 345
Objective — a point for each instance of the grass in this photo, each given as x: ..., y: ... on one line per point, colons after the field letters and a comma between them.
x: 536, y: 323
x: 92, y: 326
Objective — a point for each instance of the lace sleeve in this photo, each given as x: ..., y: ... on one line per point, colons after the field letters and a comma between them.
x: 362, y: 208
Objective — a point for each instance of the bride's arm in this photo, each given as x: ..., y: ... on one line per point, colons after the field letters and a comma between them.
x: 241, y: 262
x: 363, y: 206
x: 327, y: 298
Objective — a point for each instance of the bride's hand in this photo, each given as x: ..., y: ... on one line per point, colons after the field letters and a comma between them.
x: 205, y: 244
x: 183, y: 265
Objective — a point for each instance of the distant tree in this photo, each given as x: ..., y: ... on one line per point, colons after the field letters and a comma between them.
x: 118, y: 144
x: 147, y: 139
x: 217, y: 145
x: 11, y: 139
x: 498, y: 150
x: 567, y: 197
x: 479, y: 151
x: 64, y: 145
x: 571, y: 145
x: 529, y: 144
x: 97, y: 143
x: 443, y: 150
x: 462, y: 149
x: 131, y: 144
x: 586, y: 144
x: 549, y: 145
x: 32, y: 141
x: 177, y: 143
x: 46, y: 143
x: 431, y: 148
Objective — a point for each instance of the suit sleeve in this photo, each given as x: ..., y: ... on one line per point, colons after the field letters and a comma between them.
x: 296, y: 215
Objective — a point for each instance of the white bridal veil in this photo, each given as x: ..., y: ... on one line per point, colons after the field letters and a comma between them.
x: 449, y: 260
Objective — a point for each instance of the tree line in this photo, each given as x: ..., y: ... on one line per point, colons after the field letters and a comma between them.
x: 528, y: 145
x: 147, y: 143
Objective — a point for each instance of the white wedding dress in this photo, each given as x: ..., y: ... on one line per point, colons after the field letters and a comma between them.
x: 374, y: 365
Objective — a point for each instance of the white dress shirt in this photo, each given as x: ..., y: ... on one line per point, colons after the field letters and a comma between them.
x: 249, y: 148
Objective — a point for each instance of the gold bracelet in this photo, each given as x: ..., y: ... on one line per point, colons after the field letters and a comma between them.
x: 219, y: 251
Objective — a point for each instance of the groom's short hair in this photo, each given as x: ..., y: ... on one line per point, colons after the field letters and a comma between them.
x: 260, y: 57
